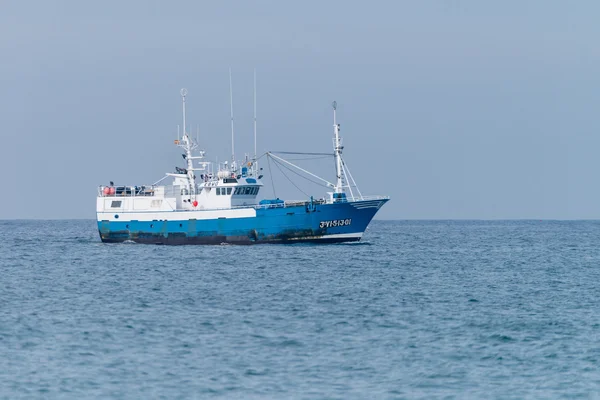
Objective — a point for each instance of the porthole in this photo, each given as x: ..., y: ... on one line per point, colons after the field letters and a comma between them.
x: 116, y: 216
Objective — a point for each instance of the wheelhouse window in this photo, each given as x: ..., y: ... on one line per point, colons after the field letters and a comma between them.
x: 228, y: 190
x: 115, y: 204
x: 245, y: 191
x: 218, y: 191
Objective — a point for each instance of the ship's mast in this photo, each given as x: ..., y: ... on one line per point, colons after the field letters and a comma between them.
x: 337, y: 152
x: 187, y: 146
x: 233, y: 166
x: 255, y: 162
x: 183, y: 92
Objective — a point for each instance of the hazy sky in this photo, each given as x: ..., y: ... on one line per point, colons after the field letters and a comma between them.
x: 455, y: 109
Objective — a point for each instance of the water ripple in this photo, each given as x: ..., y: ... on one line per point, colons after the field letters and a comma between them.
x: 430, y: 309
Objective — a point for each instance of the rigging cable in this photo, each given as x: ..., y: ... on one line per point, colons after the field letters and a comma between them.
x: 306, y: 154
x: 351, y: 178
x: 301, y: 176
x: 307, y: 158
x: 277, y: 165
x: 271, y: 175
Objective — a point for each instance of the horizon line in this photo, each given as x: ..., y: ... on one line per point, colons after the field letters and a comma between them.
x: 375, y: 219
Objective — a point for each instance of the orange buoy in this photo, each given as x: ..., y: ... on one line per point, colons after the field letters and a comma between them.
x: 195, y: 203
x: 111, y: 190
x: 106, y: 191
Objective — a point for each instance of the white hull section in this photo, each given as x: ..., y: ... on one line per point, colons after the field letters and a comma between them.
x: 357, y: 236
x: 175, y: 215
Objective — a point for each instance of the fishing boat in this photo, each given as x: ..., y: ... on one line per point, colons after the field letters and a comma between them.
x: 220, y: 203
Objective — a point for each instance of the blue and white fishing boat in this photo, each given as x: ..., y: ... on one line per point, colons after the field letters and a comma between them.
x: 207, y: 205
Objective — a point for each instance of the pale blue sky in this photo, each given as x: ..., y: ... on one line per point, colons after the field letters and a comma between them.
x: 456, y: 109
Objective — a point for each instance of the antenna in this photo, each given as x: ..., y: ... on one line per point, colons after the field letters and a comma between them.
x: 255, y: 162
x: 337, y: 151
x: 231, y: 105
x: 183, y: 94
x: 334, y: 105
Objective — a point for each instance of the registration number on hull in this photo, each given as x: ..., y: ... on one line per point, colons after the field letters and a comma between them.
x: 335, y: 222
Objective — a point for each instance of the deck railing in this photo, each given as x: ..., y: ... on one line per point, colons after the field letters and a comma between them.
x: 150, y: 190
x: 365, y: 198
x: 129, y: 191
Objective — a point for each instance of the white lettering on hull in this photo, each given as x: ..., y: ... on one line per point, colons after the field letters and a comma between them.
x: 334, y: 223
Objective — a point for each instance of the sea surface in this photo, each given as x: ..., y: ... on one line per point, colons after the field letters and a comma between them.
x: 419, y: 309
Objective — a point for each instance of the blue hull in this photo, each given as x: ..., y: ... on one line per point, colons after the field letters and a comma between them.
x: 322, y: 223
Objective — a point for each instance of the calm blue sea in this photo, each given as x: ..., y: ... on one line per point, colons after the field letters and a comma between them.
x: 436, y: 309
